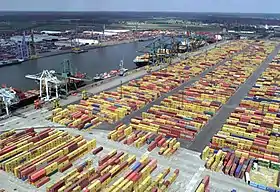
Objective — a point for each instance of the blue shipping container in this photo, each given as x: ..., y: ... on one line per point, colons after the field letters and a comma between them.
x: 270, y: 189
x: 253, y: 184
x: 237, y: 171
x: 135, y: 166
x: 260, y: 186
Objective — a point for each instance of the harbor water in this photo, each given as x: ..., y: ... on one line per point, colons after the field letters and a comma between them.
x: 92, y: 62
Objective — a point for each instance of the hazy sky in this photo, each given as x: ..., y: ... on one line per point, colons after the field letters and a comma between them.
x: 244, y: 6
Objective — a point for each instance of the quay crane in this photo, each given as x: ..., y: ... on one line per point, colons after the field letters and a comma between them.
x: 47, y: 80
x: 157, y: 51
x: 8, y: 98
x: 61, y: 81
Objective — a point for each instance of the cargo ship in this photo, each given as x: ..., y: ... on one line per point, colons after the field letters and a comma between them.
x: 120, y: 72
x: 11, y: 62
x: 144, y: 60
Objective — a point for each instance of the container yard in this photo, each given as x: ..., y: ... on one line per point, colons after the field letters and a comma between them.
x: 248, y: 143
x: 112, y: 106
x: 49, y: 157
x: 167, y: 146
x: 138, y: 136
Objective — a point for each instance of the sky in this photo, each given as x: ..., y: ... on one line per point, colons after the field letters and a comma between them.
x: 237, y: 6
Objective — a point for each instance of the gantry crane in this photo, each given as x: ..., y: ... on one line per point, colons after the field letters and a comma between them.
x: 47, y: 80
x: 8, y: 97
x: 161, y: 48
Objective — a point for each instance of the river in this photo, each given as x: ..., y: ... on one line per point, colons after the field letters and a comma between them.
x: 92, y: 62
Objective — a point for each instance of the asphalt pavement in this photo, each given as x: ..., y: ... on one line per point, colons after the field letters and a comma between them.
x: 215, y: 124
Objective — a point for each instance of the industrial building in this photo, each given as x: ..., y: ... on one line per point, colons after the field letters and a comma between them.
x: 69, y: 43
x: 37, y: 38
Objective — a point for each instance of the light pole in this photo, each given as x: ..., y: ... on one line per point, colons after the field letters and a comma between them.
x: 182, y: 95
x: 121, y: 90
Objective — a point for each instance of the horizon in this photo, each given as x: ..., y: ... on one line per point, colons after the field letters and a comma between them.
x: 114, y: 11
x: 184, y: 6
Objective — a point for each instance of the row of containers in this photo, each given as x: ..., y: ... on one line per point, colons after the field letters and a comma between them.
x: 204, y: 185
x: 36, y: 157
x: 137, y: 138
x: 111, y: 106
x: 185, y: 113
x: 251, y: 135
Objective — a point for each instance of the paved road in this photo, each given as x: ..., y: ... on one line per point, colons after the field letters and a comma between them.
x: 216, y: 123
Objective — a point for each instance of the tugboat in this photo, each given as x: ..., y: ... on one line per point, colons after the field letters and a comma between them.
x: 98, y: 77
x: 122, y: 70
x: 78, y: 50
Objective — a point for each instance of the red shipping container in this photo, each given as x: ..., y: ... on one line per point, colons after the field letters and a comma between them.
x: 104, y: 177
x: 103, y: 160
x: 42, y: 181
x: 7, y: 150
x: 67, y: 166
x: 56, y: 186
x: 24, y: 173
x: 97, y: 150
x: 152, y: 146
x: 131, y: 176
x: 37, y: 175
x: 205, y: 181
x: 160, y: 143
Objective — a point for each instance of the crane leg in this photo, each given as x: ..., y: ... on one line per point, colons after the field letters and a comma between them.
x: 7, y: 108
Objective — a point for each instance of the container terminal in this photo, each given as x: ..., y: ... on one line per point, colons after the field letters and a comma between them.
x: 206, y: 121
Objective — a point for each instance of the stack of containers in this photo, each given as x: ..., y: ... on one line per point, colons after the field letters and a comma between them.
x: 36, y: 156
x: 238, y: 165
x: 76, y: 116
x: 204, y: 185
x: 182, y: 115
x: 231, y: 163
x: 253, y: 128
x: 125, y: 134
x: 111, y: 106
x: 116, y: 171
x: 251, y: 132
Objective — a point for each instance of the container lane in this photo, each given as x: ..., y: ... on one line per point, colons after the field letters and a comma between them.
x: 112, y: 106
x: 218, y: 120
x: 248, y: 144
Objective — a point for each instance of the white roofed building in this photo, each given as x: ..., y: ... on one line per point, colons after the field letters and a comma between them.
x: 52, y: 32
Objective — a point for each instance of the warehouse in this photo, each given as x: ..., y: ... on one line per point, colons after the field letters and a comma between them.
x: 37, y: 38
x: 69, y: 43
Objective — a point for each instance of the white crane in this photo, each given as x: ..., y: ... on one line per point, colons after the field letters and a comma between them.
x: 8, y: 97
x: 48, y: 79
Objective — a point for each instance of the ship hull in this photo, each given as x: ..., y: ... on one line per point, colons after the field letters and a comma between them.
x: 81, y: 51
x: 2, y: 64
x: 24, y: 102
x: 141, y: 63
